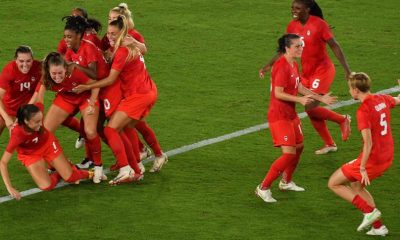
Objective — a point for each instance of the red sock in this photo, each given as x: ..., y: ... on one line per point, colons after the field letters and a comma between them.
x: 72, y: 123
x: 129, y: 153
x: 288, y: 173
x: 149, y: 136
x: 77, y: 174
x: 277, y: 168
x: 131, y: 134
x: 361, y: 204
x: 322, y: 113
x: 117, y: 146
x: 54, y: 177
x: 322, y: 129
x: 94, y: 146
x: 377, y: 224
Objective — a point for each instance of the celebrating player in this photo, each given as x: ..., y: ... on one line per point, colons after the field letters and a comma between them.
x: 284, y: 123
x: 17, y: 84
x: 37, y: 149
x: 318, y: 71
x: 373, y: 119
x: 60, y: 77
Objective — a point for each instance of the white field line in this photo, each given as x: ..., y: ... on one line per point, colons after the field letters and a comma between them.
x: 210, y: 141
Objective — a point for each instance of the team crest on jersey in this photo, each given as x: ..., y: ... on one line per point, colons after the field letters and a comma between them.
x: 35, y: 140
x: 33, y: 79
x: 80, y: 58
x: 74, y: 84
x: 285, y: 138
x: 308, y: 33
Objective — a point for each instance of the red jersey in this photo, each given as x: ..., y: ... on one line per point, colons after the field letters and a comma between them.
x: 86, y: 54
x: 315, y: 33
x: 26, y: 142
x: 19, y: 87
x: 374, y: 114
x: 286, y: 76
x: 105, y: 44
x: 64, y: 88
x: 89, y: 36
x: 133, y: 74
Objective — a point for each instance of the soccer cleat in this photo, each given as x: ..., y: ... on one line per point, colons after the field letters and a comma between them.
x: 98, y: 175
x: 123, y: 175
x: 265, y: 195
x: 382, y: 231
x: 291, y: 186
x: 369, y: 218
x: 80, y: 141
x: 159, y: 162
x: 345, y: 128
x: 326, y: 149
x: 142, y: 168
x: 85, y: 164
x: 145, y: 153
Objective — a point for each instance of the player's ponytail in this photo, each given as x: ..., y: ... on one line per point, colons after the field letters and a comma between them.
x: 122, y: 24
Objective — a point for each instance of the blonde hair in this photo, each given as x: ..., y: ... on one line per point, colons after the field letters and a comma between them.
x: 123, y: 10
x: 122, y: 24
x: 361, y: 81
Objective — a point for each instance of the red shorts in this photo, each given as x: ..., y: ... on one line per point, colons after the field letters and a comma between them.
x: 320, y: 81
x: 70, y: 106
x: 286, y: 132
x: 47, y: 152
x: 351, y: 170
x: 138, y: 106
x: 110, y: 105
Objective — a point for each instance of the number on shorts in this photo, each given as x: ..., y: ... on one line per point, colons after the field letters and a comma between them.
x: 106, y: 104
x: 315, y: 83
x: 301, y: 131
x: 55, y: 146
x: 25, y: 85
x: 383, y: 124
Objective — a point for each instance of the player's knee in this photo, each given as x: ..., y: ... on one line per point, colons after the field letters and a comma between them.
x: 90, y: 133
x: 47, y: 187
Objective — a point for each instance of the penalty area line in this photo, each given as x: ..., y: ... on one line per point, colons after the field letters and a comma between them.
x: 210, y: 141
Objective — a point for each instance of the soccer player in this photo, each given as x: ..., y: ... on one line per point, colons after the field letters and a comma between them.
x: 139, y: 94
x: 18, y: 82
x: 60, y: 77
x: 318, y: 71
x: 37, y: 149
x: 283, y: 121
x: 373, y: 119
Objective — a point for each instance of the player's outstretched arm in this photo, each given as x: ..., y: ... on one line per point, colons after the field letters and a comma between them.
x: 5, y: 159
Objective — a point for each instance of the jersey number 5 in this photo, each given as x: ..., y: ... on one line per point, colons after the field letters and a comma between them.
x: 384, y: 124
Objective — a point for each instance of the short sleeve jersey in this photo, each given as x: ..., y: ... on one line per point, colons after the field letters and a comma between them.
x: 26, y: 142
x: 315, y: 33
x: 19, y: 87
x: 86, y: 54
x: 133, y: 74
x: 286, y: 76
x: 64, y: 88
x: 374, y: 114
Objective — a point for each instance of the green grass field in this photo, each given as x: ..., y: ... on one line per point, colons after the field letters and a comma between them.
x: 204, y: 57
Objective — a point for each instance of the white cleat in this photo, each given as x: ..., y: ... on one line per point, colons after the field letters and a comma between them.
x: 123, y: 175
x: 159, y: 162
x: 80, y: 142
x: 265, y: 195
x: 145, y: 153
x: 382, y: 231
x: 291, y: 186
x: 142, y: 168
x: 369, y: 218
x: 98, y: 175
x: 326, y: 149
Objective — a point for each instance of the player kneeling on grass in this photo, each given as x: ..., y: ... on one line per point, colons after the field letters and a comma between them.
x: 284, y: 123
x: 373, y: 119
x: 37, y: 149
